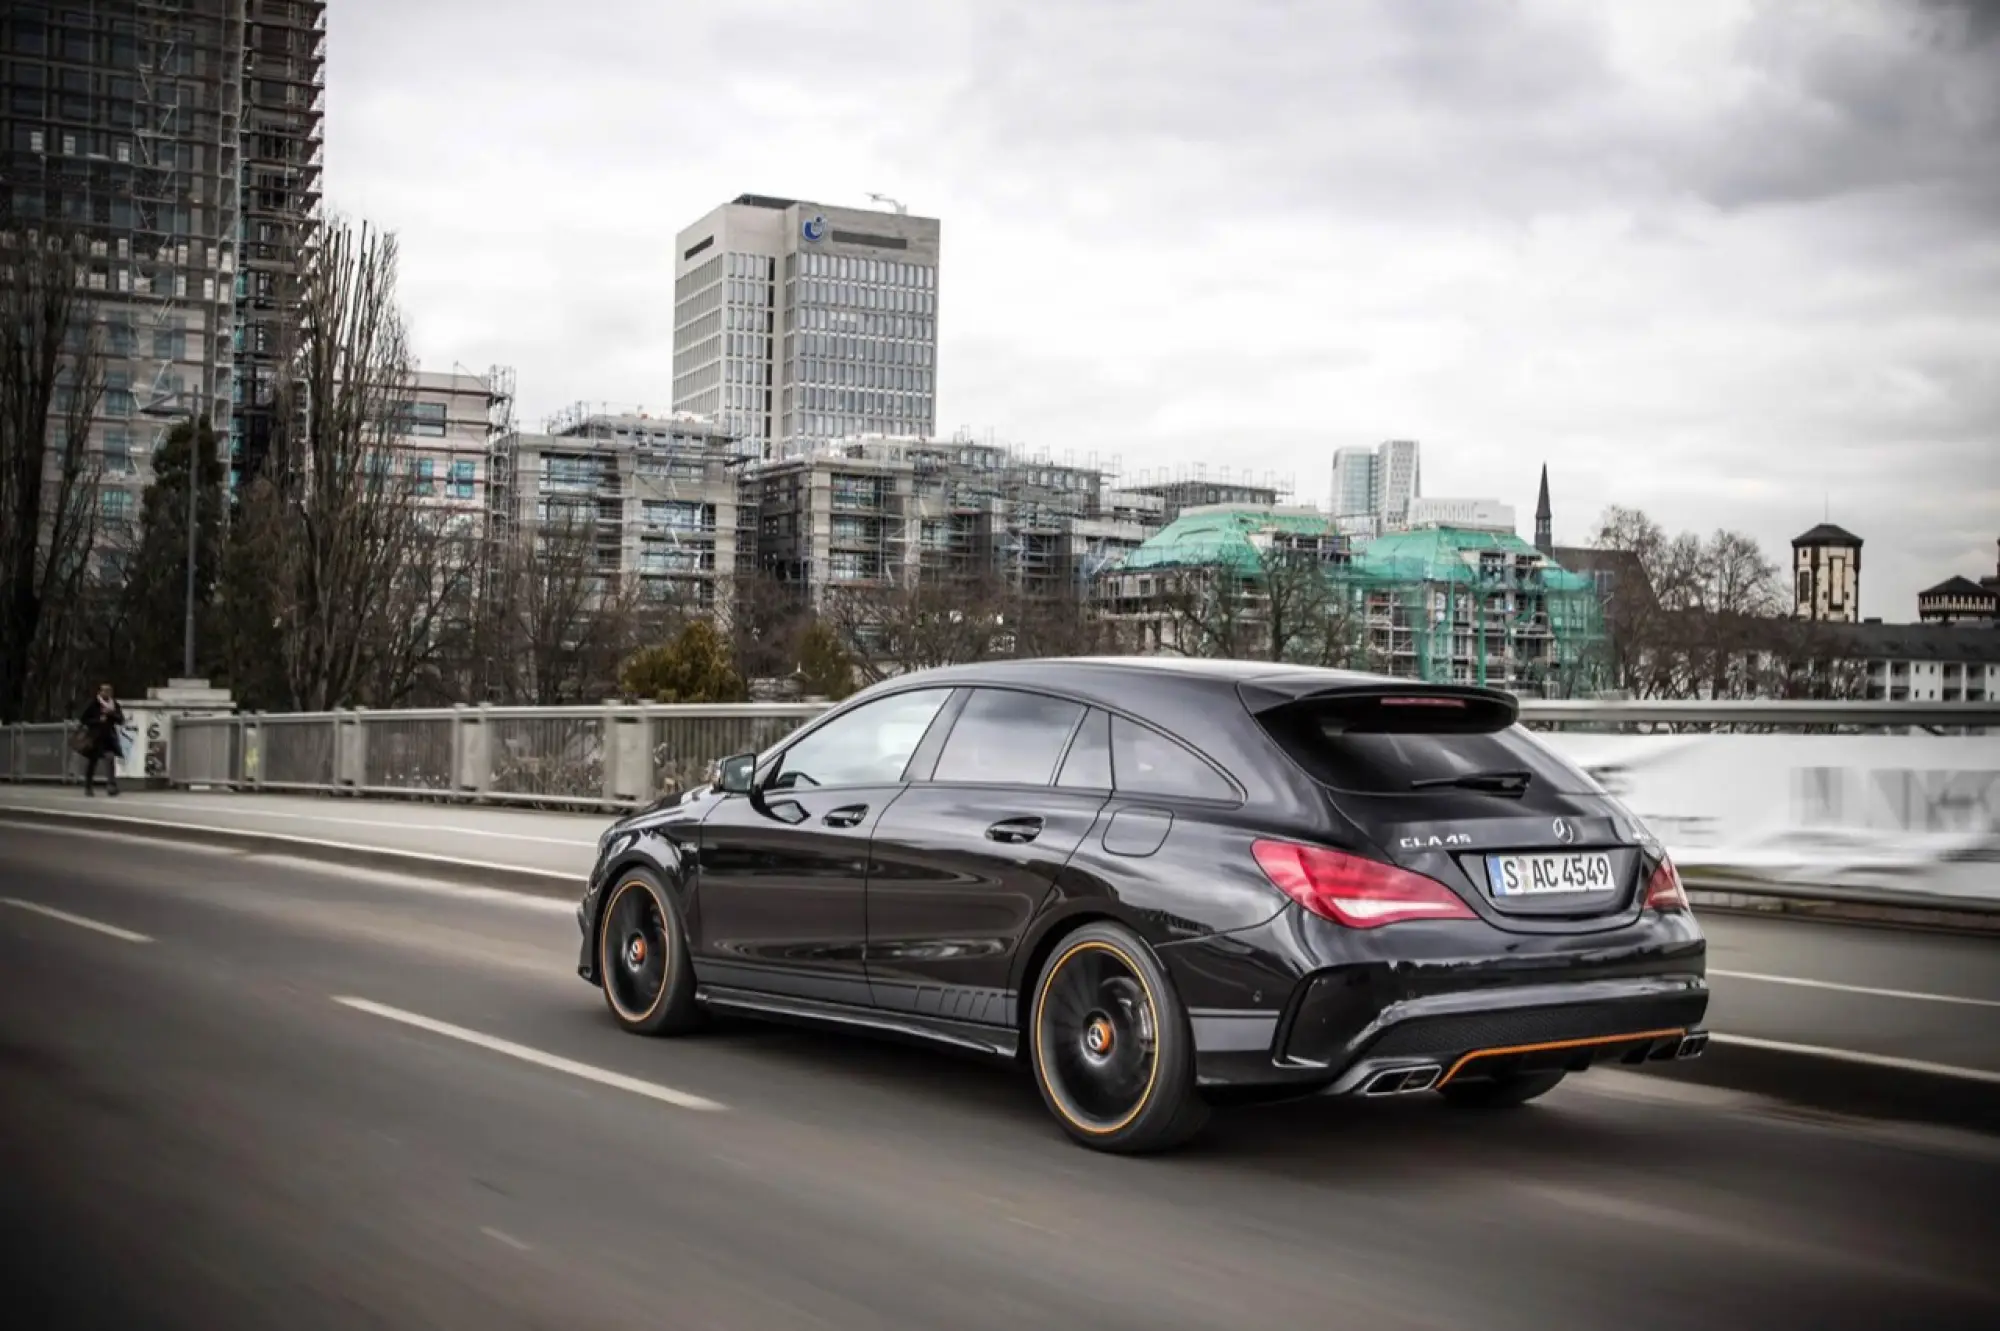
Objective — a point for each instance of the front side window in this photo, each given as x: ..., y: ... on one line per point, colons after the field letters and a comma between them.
x: 869, y: 746
x: 1008, y: 738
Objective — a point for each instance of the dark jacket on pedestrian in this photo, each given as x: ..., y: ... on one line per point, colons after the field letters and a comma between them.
x: 101, y: 719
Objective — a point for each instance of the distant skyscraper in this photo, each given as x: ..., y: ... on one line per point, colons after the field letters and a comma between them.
x: 181, y: 142
x: 798, y: 321
x: 1353, y: 482
x: 1377, y: 482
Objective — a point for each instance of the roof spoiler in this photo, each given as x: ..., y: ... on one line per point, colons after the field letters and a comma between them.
x: 1389, y: 706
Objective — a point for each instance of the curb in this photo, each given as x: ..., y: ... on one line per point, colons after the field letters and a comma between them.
x: 1834, y: 1081
x: 467, y: 873
x: 1940, y: 914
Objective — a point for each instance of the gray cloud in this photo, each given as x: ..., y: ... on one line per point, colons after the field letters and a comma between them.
x: 1728, y: 262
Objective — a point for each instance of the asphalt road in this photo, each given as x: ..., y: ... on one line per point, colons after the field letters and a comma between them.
x: 195, y: 1132
x: 1881, y: 993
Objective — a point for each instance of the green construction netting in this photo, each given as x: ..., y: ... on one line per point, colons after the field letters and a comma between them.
x: 1429, y: 590
x: 1217, y: 539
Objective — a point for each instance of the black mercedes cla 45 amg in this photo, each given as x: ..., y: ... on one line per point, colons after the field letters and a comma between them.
x: 1164, y: 885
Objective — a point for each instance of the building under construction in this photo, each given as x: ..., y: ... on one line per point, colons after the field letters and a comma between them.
x: 878, y: 511
x: 1441, y: 604
x: 176, y: 143
x: 655, y: 498
x: 1197, y: 486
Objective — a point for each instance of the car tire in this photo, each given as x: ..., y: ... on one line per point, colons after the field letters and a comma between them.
x: 1501, y: 1092
x: 1110, y: 1045
x: 643, y: 967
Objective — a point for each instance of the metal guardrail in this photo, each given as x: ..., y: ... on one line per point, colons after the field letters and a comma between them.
x: 618, y: 756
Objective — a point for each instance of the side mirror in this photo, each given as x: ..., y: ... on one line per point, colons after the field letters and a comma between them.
x: 735, y: 774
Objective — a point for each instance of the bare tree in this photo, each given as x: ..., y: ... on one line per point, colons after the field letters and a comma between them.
x: 335, y: 516
x: 1291, y: 606
x: 51, y: 384
x: 423, y: 626
x: 1062, y: 625
x: 891, y: 629
x: 1709, y: 621
x: 766, y: 618
x: 558, y: 624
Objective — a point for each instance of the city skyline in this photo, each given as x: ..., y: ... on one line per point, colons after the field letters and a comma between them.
x: 1697, y: 297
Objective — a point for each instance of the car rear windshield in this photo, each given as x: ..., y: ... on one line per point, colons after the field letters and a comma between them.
x: 1382, y: 746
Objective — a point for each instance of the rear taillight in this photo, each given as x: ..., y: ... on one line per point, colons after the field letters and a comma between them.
x: 1356, y: 892
x: 1664, y: 891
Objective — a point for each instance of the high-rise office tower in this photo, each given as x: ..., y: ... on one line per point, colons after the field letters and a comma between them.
x: 796, y: 322
x: 1377, y: 482
x: 179, y: 140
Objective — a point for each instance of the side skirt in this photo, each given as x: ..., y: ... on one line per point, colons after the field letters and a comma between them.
x: 998, y: 1042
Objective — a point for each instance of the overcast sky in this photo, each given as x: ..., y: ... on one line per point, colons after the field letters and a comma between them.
x: 1734, y: 263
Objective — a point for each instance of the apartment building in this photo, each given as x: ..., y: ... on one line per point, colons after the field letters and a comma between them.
x: 446, y: 437
x: 657, y: 495
x: 881, y: 511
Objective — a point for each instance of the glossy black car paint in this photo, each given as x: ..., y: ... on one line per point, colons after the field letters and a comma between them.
x: 914, y: 920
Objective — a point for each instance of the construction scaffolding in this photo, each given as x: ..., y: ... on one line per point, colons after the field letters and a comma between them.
x: 1441, y: 604
x: 283, y: 88
x: 1195, y: 485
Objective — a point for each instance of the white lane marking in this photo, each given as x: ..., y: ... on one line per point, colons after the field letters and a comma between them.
x: 507, y: 1239
x: 1856, y: 1056
x: 1856, y: 988
x: 584, y: 1071
x: 78, y: 920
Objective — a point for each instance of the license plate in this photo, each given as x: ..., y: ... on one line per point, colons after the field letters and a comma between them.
x: 1541, y: 875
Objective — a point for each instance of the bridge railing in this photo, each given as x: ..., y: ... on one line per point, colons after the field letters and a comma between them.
x: 1886, y: 799
x: 617, y: 756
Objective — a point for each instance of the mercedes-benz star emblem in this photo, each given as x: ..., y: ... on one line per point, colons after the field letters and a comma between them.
x: 1564, y: 832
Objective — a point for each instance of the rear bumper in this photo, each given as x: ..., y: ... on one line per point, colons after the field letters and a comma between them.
x: 1568, y: 1027
x: 1329, y: 1010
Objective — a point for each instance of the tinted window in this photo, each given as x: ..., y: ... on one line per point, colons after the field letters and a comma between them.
x: 1007, y: 738
x: 1386, y: 758
x: 869, y: 746
x: 1088, y: 766
x: 1145, y: 762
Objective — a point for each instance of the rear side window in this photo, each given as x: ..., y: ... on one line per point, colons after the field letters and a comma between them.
x: 1008, y: 738
x: 1145, y: 762
x: 1367, y: 749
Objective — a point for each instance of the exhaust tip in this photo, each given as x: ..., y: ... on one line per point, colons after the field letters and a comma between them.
x: 1403, y: 1081
x: 1692, y: 1046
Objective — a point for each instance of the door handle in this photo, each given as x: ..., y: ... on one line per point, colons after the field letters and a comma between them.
x: 1015, y: 831
x: 846, y: 816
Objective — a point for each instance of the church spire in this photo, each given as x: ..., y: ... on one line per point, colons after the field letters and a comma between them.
x: 1544, y: 519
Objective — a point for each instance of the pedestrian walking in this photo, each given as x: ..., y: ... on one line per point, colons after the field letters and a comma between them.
x: 100, y: 741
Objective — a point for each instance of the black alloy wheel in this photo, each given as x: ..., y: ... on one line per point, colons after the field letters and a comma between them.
x: 1110, y: 1045
x: 642, y: 958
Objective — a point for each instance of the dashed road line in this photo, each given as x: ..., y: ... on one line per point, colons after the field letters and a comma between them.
x: 79, y: 921
x: 555, y: 1062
